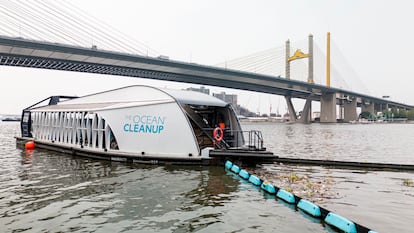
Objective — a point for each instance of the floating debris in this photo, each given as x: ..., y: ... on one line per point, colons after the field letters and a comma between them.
x: 315, y: 189
x: 408, y: 183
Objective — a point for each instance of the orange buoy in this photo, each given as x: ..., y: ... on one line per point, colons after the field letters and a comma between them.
x: 30, y: 145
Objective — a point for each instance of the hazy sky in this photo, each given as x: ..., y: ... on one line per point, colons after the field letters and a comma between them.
x: 376, y: 37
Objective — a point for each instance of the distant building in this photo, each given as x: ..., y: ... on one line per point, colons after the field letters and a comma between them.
x: 201, y: 89
x: 231, y: 99
x: 245, y: 112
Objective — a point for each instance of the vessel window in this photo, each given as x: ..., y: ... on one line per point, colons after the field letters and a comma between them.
x: 113, y: 143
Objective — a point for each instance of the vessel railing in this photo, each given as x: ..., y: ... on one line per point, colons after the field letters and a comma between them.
x: 234, y: 139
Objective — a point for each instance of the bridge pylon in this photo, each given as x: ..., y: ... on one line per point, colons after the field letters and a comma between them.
x: 306, y: 116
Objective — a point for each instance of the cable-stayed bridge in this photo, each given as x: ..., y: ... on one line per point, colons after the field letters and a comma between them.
x: 55, y: 36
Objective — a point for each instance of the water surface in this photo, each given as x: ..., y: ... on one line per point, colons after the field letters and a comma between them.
x: 46, y: 191
x: 379, y: 200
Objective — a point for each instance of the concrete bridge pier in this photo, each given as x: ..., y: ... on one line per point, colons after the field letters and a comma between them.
x: 328, y: 108
x: 291, y: 109
x: 350, y: 110
x: 341, y: 108
x: 378, y: 107
x: 306, y: 112
x: 368, y: 107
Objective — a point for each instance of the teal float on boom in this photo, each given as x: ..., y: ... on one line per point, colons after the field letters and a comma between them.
x: 255, y: 180
x: 286, y: 196
x: 309, y: 208
x: 341, y: 223
x: 244, y: 174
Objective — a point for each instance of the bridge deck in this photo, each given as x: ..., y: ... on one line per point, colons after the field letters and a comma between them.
x: 35, y: 54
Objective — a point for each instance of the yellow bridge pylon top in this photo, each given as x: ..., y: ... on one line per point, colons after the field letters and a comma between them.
x: 298, y: 55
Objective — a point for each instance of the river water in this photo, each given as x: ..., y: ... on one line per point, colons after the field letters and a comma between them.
x: 45, y: 191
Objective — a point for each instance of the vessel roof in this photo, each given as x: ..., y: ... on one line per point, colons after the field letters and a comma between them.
x: 132, y: 96
x: 195, y: 98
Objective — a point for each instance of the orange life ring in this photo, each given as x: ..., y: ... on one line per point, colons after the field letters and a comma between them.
x: 218, y: 134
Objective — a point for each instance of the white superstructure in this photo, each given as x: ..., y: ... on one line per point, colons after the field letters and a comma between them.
x: 135, y: 121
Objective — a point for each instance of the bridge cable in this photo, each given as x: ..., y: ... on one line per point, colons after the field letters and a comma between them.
x: 107, y: 27
x: 86, y: 29
x: 61, y: 21
x: 30, y: 20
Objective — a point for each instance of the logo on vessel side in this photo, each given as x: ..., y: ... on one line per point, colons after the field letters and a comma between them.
x: 144, y: 124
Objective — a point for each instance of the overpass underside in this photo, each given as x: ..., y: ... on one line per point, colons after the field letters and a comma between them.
x: 34, y: 54
x: 336, y: 107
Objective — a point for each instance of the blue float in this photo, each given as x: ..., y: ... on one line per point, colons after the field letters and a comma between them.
x: 244, y: 174
x: 235, y: 169
x: 309, y: 208
x: 255, y: 180
x: 306, y: 206
x: 228, y: 165
x: 341, y: 223
x: 286, y: 196
x: 270, y: 188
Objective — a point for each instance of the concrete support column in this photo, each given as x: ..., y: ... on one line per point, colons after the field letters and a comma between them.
x: 291, y: 109
x: 341, y: 107
x: 378, y: 107
x: 368, y: 108
x: 341, y: 112
x: 310, y: 59
x: 328, y: 108
x: 306, y: 117
x: 350, y: 111
x: 287, y: 64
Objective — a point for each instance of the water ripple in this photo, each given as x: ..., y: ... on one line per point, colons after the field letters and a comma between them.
x: 43, y: 191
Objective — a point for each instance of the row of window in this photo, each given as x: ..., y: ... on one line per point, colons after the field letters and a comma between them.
x: 86, y: 129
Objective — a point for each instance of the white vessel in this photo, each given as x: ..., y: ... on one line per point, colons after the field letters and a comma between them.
x: 142, y: 124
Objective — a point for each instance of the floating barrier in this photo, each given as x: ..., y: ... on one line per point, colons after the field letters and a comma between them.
x: 286, y: 196
x: 255, y: 180
x: 228, y: 165
x: 341, y: 223
x: 244, y: 174
x: 309, y: 208
x: 270, y: 188
x: 348, y: 164
x: 235, y: 169
x: 306, y: 206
